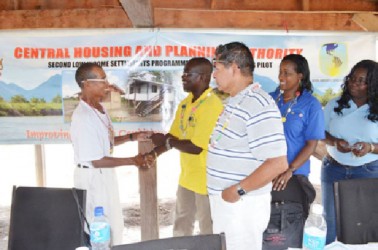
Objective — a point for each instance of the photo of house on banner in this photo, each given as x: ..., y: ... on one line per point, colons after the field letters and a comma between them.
x: 139, y: 96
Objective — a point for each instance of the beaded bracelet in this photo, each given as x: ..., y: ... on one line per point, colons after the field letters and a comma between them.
x: 167, y: 144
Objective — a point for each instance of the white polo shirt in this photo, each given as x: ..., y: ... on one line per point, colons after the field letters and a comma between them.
x: 248, y: 132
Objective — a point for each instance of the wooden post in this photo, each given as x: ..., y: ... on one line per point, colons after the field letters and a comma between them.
x: 148, y: 198
x: 40, y: 166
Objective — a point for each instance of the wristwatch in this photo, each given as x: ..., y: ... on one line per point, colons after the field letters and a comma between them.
x: 241, y: 191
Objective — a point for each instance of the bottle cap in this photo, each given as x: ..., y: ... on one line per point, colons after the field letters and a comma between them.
x: 317, y: 209
x: 99, y: 211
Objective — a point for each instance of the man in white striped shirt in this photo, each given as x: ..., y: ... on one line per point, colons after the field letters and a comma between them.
x: 247, y: 151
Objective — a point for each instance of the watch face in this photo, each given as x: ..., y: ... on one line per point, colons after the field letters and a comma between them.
x: 241, y: 191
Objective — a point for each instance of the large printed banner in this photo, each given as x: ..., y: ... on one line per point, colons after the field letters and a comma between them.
x: 38, y: 92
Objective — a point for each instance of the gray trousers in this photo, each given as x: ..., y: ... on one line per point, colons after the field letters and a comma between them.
x: 189, y: 207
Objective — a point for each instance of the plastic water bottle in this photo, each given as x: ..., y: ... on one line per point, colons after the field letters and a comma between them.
x: 100, y: 231
x: 315, y: 229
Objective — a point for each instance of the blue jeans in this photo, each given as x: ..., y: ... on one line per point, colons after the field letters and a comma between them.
x: 333, y: 171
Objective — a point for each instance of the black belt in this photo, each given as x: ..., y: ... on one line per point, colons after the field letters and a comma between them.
x: 330, y: 158
x: 82, y: 166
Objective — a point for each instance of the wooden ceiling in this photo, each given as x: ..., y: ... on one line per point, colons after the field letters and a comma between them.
x: 305, y: 15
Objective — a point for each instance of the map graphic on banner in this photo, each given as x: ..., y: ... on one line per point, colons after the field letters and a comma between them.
x: 38, y: 92
x: 333, y: 59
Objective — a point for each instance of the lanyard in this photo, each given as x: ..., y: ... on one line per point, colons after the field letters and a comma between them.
x: 109, y: 126
x: 289, y: 108
x: 191, y: 119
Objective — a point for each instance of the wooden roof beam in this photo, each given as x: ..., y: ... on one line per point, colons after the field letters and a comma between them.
x: 267, y: 20
x: 15, y: 4
x: 367, y: 21
x: 139, y: 12
x: 306, y: 5
x: 264, y: 5
x: 89, y: 18
x: 57, y: 4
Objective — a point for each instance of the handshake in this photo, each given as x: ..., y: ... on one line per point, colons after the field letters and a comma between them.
x: 161, y: 143
x: 145, y: 161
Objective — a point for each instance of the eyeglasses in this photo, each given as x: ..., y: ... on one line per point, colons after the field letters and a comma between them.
x: 215, y: 61
x: 97, y: 80
x: 358, y: 81
x: 188, y: 74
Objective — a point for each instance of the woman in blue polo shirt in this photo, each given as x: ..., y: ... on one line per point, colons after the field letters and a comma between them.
x: 303, y: 121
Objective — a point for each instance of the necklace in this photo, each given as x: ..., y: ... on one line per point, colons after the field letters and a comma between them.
x: 191, y: 120
x: 109, y: 127
x: 287, y: 99
x: 229, y: 115
x: 292, y: 103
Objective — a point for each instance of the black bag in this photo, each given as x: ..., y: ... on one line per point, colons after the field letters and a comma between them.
x: 285, y: 228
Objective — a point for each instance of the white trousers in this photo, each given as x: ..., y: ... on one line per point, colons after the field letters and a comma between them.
x: 243, y: 222
x: 102, y: 190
